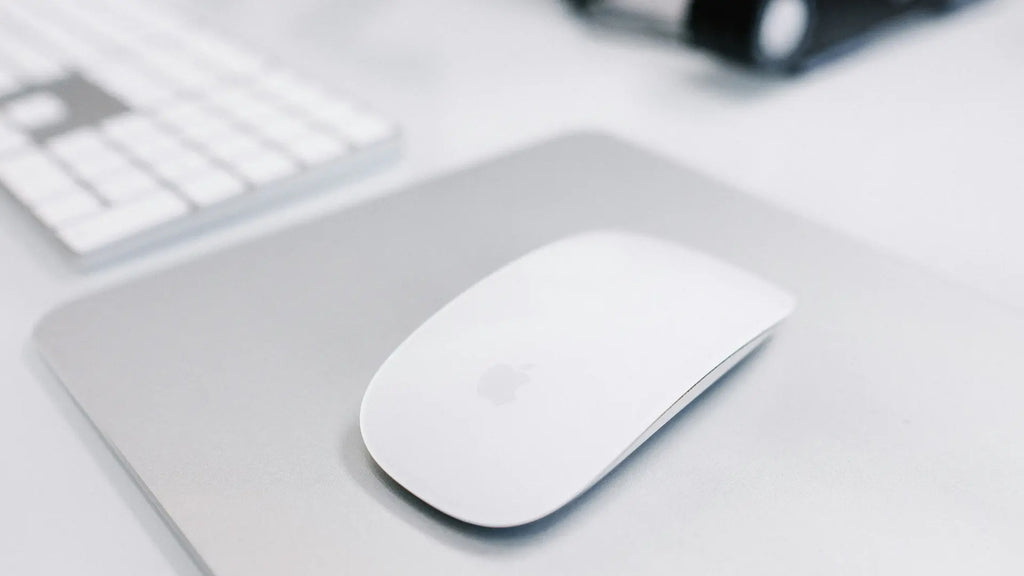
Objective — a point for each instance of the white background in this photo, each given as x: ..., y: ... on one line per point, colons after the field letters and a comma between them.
x: 915, y: 145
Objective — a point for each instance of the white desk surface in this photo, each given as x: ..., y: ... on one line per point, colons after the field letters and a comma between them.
x: 915, y: 144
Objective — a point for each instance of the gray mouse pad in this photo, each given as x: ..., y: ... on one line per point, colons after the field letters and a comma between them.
x: 879, y: 431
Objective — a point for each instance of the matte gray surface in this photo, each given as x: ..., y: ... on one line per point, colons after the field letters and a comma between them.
x: 231, y: 387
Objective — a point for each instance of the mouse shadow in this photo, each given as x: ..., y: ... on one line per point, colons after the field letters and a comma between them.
x: 489, y: 541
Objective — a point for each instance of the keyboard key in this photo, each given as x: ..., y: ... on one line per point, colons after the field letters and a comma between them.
x: 365, y: 130
x: 36, y: 111
x: 33, y: 193
x: 30, y: 63
x: 156, y: 154
x: 69, y: 205
x: 11, y: 140
x: 359, y: 127
x: 141, y: 137
x: 76, y: 142
x: 314, y: 148
x: 135, y: 88
x: 282, y: 129
x: 180, y: 164
x: 184, y: 114
x: 235, y: 100
x: 209, y: 129
x: 255, y: 112
x: 194, y: 121
x: 131, y: 128
x: 298, y: 94
x: 122, y: 221
x: 221, y: 54
x: 333, y: 112
x: 233, y: 145
x: 32, y: 176
x: 87, y: 153
x: 211, y: 186
x: 125, y: 184
x: 26, y: 164
x: 264, y: 166
x: 179, y: 72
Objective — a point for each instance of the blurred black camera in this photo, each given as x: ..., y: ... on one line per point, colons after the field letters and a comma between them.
x: 785, y: 35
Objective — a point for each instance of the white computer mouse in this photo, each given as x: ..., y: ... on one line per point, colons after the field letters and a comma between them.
x: 529, y: 387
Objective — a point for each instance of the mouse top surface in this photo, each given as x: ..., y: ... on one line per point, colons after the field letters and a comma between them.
x: 527, y: 388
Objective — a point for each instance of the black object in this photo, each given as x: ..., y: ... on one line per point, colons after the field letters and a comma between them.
x: 771, y: 34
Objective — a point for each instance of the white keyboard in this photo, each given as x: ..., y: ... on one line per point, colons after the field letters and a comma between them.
x: 120, y: 124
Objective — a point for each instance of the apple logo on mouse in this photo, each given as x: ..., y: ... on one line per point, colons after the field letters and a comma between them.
x: 500, y: 382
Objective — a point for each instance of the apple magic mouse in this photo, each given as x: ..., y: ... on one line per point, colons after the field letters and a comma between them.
x: 530, y: 386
